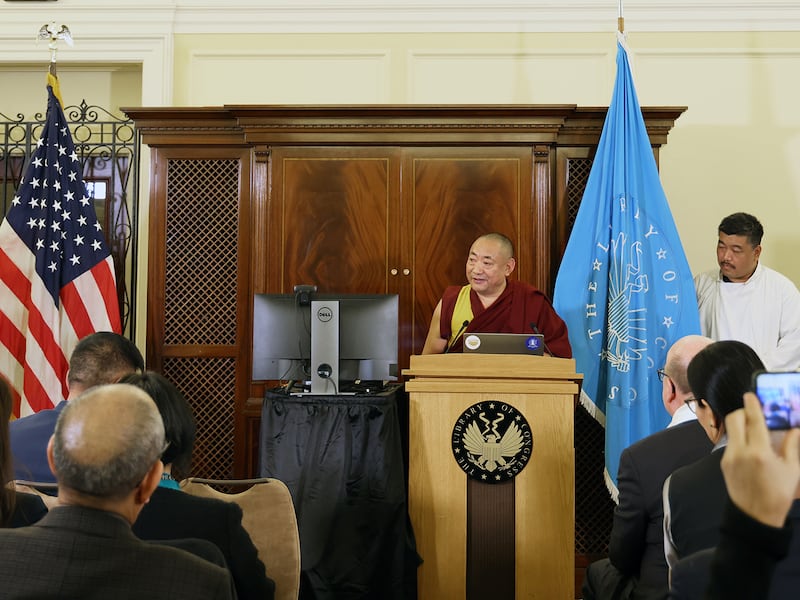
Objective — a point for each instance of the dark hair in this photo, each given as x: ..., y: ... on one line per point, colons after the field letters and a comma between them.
x: 179, y: 424
x: 742, y: 224
x: 721, y: 373
x: 7, y: 495
x: 101, y: 358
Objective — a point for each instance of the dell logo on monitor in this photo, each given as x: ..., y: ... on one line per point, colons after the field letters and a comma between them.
x: 324, y: 314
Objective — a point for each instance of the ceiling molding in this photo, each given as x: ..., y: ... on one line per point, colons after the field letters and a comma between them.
x: 126, y: 18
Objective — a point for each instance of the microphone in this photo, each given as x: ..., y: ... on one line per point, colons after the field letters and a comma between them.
x: 536, y: 330
x: 458, y: 334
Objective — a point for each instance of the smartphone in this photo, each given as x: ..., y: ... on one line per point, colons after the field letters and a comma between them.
x: 779, y: 393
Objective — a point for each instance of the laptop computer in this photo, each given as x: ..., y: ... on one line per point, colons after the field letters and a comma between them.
x: 504, y: 343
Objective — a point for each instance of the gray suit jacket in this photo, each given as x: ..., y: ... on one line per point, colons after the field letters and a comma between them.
x: 81, y: 553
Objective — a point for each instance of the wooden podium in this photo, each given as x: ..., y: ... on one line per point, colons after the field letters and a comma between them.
x: 514, y: 538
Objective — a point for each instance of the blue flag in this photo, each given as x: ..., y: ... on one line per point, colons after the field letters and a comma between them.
x: 624, y: 286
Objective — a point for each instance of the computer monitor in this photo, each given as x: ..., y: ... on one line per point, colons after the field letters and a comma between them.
x: 367, y: 337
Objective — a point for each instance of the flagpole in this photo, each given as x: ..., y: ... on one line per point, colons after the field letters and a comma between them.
x: 49, y: 32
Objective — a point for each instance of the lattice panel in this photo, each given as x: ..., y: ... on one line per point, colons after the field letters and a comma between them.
x: 209, y: 385
x: 202, y: 220
x: 594, y: 509
x: 578, y: 174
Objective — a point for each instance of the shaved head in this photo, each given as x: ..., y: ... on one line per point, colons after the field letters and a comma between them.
x: 506, y: 247
x: 106, y: 440
x: 680, y: 355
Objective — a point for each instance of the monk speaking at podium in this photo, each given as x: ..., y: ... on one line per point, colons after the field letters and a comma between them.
x: 493, y: 303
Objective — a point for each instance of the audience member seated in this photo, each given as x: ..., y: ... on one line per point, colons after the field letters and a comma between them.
x: 762, y: 485
x: 694, y: 495
x: 105, y: 455
x: 635, y: 568
x: 16, y: 508
x: 98, y: 358
x: 173, y: 514
x: 754, y: 559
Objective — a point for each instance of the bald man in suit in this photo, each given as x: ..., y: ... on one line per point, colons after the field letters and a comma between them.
x: 636, y: 568
x: 105, y: 455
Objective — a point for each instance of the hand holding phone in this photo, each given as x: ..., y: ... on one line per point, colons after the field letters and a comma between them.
x: 779, y: 394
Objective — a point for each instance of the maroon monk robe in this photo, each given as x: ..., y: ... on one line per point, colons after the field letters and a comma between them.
x: 518, y: 306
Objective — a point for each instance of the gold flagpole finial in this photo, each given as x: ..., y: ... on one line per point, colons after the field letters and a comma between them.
x: 621, y: 24
x: 52, y: 34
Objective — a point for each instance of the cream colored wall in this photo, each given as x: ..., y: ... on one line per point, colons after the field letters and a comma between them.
x: 107, y: 86
x: 735, y: 148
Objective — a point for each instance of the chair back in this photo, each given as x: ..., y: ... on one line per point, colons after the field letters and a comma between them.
x: 47, y: 491
x: 268, y: 516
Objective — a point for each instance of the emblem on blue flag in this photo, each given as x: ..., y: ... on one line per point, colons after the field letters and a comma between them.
x: 624, y: 286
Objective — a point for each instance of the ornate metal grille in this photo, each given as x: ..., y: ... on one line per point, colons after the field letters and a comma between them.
x: 200, y: 301
x: 594, y: 508
x: 107, y: 147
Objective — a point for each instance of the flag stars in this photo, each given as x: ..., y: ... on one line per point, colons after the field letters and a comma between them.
x: 33, y: 202
x: 54, y: 246
x: 53, y: 267
x: 35, y: 183
x: 596, y: 265
x: 65, y: 216
x: 62, y: 151
x: 78, y: 240
x: 72, y: 175
x: 41, y: 223
x: 55, y: 226
x: 37, y: 161
x: 31, y: 222
x: 661, y: 254
x: 39, y: 243
x: 82, y: 221
x: 15, y: 201
x: 75, y: 260
x: 668, y: 322
x: 85, y: 200
x: 97, y: 246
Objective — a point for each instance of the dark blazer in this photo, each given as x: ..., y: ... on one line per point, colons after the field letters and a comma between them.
x: 696, y: 495
x: 175, y: 514
x: 636, y: 546
x: 743, y: 562
x: 28, y: 509
x: 28, y: 437
x: 81, y: 553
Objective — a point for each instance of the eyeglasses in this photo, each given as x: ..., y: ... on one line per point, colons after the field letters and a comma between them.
x: 692, y: 403
x: 661, y: 374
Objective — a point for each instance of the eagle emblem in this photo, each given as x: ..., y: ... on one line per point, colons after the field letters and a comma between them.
x: 492, y: 441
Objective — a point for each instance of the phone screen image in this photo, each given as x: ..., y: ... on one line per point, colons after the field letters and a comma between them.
x: 779, y: 394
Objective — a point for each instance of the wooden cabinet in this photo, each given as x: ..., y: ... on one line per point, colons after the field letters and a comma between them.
x: 362, y: 199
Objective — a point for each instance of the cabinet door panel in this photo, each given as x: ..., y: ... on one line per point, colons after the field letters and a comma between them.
x: 334, y: 223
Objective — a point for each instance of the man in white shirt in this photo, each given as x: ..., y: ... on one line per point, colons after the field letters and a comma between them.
x: 746, y: 301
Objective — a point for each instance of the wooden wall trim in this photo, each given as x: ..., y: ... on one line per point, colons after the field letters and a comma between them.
x: 483, y: 125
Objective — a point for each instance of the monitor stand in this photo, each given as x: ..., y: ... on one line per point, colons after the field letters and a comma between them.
x: 325, y: 347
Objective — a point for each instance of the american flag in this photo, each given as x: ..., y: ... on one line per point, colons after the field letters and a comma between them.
x: 56, y: 273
